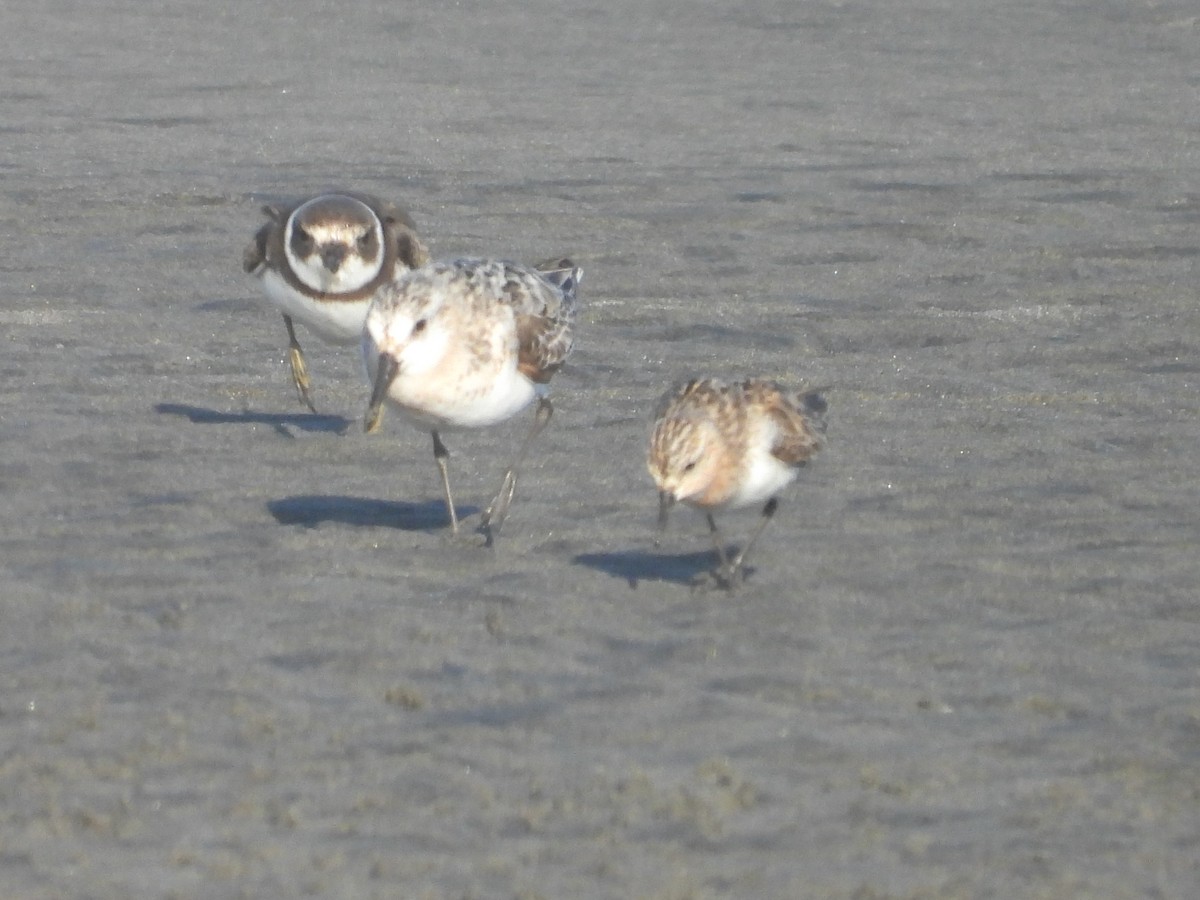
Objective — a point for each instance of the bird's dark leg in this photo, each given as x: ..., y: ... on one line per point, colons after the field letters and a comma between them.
x: 494, y: 516
x: 724, y: 570
x: 768, y: 512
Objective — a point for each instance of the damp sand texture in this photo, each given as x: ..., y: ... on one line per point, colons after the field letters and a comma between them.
x: 240, y: 657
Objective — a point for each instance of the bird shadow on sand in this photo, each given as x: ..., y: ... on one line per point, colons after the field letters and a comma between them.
x: 311, y: 510
x: 635, y: 566
x: 281, y: 422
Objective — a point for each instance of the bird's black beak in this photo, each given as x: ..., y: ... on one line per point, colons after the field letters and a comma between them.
x: 665, y: 501
x: 385, y: 373
x: 333, y: 255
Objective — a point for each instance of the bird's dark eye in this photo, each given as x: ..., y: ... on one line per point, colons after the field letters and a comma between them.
x: 418, y: 326
x: 689, y: 466
x: 301, y: 238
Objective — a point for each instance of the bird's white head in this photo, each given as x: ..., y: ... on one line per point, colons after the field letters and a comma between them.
x: 407, y: 325
x: 334, y: 244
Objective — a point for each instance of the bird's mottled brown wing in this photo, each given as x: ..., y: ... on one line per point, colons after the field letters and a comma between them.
x: 544, y: 345
x: 543, y: 303
x: 255, y: 256
x: 799, y: 420
x: 410, y: 251
x: 531, y: 292
x: 268, y: 240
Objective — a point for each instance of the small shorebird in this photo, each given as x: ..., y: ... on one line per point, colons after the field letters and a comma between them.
x: 718, y: 446
x: 466, y: 344
x: 321, y: 261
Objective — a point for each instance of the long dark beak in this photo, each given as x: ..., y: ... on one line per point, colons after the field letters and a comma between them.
x: 333, y: 255
x: 385, y: 373
x: 665, y: 501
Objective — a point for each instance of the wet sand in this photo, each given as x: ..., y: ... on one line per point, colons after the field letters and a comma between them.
x: 241, y: 658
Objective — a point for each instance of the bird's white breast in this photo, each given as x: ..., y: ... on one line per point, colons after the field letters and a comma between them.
x: 763, y: 477
x: 464, y: 402
x: 336, y: 321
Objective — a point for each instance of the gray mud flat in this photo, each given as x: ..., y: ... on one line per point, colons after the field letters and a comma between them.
x: 239, y: 656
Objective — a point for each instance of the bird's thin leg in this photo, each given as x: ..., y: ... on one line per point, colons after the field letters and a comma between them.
x: 296, y: 360
x: 440, y: 455
x: 718, y: 543
x: 720, y: 576
x: 494, y: 516
x: 767, y: 512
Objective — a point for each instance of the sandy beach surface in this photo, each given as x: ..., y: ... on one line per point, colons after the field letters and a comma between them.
x: 239, y: 656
